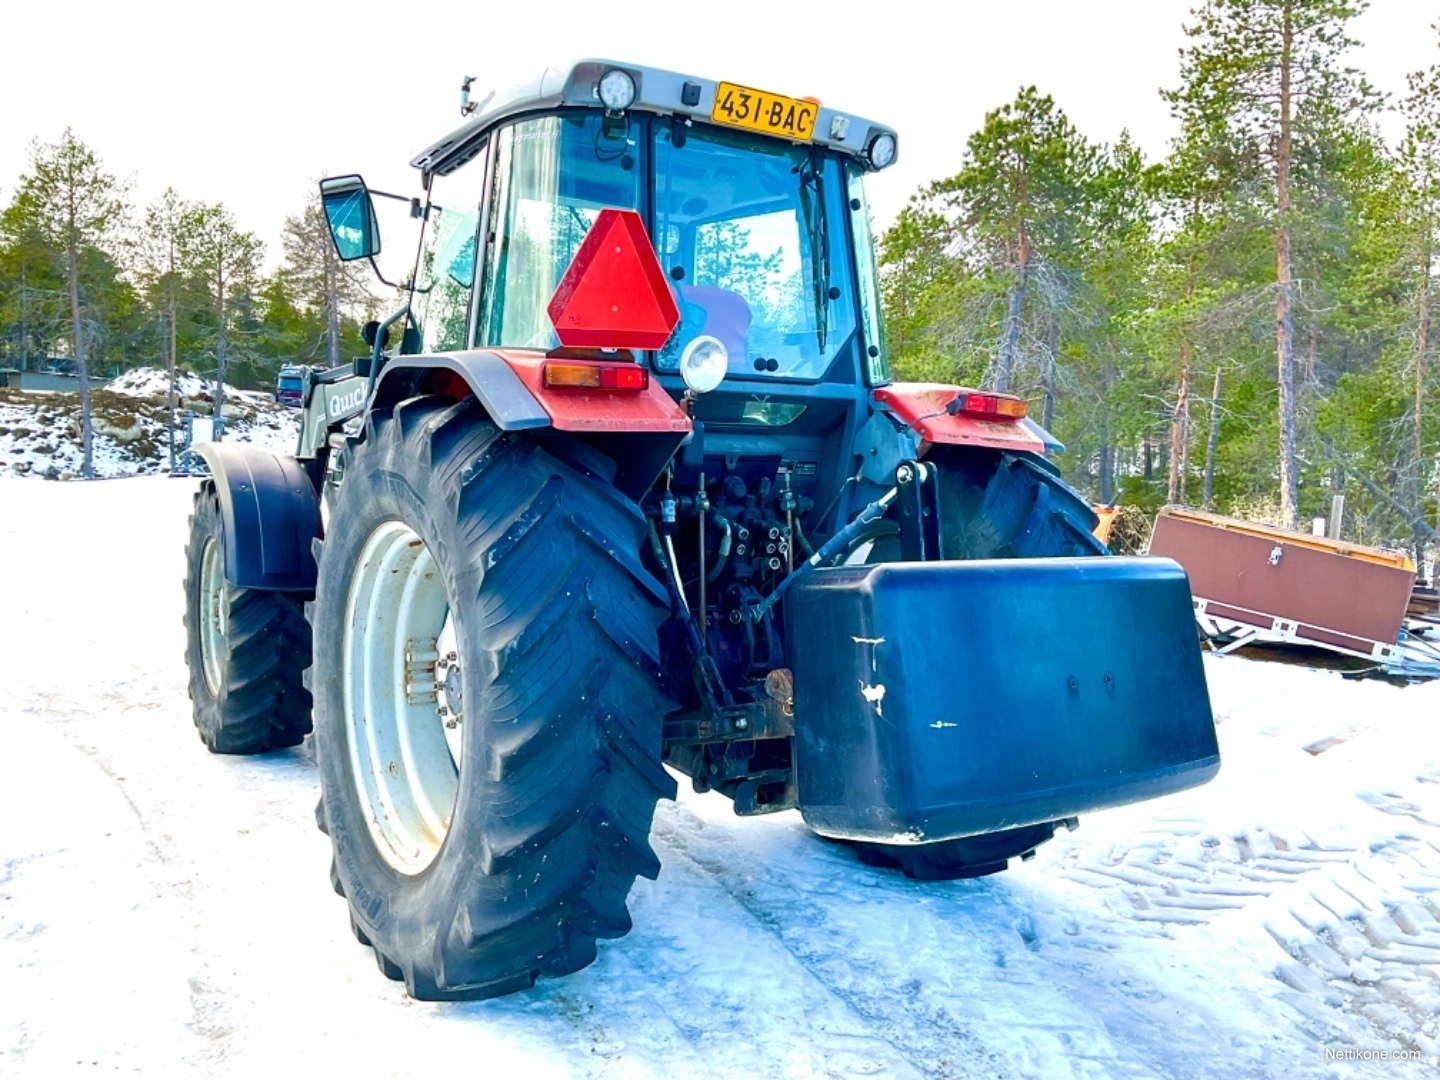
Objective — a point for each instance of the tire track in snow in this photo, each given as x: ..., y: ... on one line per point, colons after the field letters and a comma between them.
x: 1047, y: 1000
x: 932, y: 1041
x: 1357, y: 930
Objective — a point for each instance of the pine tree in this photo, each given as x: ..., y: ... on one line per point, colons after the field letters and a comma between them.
x: 78, y: 210
x: 227, y: 259
x: 1253, y: 66
x: 1019, y: 198
x: 162, y: 272
x: 1420, y: 160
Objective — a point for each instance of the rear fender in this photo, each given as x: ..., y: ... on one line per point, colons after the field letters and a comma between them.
x: 505, y: 399
x: 918, y: 403
x: 270, y: 515
x: 639, y: 432
x: 509, y: 385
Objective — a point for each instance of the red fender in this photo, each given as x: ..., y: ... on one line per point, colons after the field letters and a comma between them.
x: 651, y: 409
x: 911, y: 401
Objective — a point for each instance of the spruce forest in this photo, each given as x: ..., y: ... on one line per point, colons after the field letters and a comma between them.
x: 1243, y: 326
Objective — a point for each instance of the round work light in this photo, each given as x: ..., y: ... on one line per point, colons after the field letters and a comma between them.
x: 882, y: 150
x: 617, y: 90
x: 703, y: 364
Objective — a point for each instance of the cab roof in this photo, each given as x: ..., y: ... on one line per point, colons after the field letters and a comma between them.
x: 656, y: 91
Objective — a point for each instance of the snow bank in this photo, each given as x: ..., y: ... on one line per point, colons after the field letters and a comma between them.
x: 152, y: 382
x: 40, y: 433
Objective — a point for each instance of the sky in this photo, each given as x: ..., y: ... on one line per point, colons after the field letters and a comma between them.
x: 251, y: 103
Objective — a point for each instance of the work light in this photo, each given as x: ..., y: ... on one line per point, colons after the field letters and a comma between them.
x: 617, y: 90
x: 882, y: 150
x: 703, y: 364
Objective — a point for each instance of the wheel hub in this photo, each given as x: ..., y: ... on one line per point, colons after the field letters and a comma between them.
x: 214, y: 613
x: 404, y: 753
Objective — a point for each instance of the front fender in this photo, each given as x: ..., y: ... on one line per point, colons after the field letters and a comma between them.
x: 270, y: 515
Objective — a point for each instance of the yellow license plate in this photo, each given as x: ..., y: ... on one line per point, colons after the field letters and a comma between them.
x: 759, y: 110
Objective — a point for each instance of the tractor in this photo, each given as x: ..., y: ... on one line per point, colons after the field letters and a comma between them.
x: 624, y: 492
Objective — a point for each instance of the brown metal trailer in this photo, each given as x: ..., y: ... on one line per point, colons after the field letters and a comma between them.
x: 1257, y: 583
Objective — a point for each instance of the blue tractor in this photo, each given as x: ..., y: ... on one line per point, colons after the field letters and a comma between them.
x: 626, y: 492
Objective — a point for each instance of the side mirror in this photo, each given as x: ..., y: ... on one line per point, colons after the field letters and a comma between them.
x: 350, y: 214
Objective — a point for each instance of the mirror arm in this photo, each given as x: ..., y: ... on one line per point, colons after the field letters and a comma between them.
x: 388, y: 195
x: 383, y: 279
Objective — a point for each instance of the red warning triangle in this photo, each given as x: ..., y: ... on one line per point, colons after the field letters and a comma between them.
x: 614, y: 294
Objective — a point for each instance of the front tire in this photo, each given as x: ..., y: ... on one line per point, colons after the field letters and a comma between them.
x: 246, y: 649
x: 557, y: 771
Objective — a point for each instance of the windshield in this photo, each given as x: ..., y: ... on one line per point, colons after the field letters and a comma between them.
x: 290, y: 382
x: 752, y: 234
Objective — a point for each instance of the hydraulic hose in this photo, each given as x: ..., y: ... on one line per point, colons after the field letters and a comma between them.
x: 723, y: 551
x: 802, y: 539
x: 710, y: 674
x: 834, y: 546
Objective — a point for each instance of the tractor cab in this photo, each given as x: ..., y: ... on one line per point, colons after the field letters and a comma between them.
x: 753, y: 204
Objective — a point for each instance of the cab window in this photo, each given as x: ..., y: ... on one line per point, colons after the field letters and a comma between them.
x: 446, y: 275
x: 877, y: 360
x: 752, y: 231
x: 553, y: 176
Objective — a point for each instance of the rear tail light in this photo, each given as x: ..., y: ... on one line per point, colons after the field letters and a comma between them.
x: 582, y: 376
x: 988, y: 405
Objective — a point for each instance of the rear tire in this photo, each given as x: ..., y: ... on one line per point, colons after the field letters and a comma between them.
x: 992, y: 506
x: 558, y: 770
x: 246, y: 649
x: 951, y: 860
x: 1009, y: 506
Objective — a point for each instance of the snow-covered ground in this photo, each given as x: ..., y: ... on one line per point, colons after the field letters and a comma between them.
x: 40, y: 433
x: 166, y: 911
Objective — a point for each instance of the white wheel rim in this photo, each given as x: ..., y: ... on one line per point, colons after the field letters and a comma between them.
x: 404, y: 738
x: 213, y: 613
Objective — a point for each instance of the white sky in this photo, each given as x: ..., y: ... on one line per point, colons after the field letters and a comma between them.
x: 250, y: 102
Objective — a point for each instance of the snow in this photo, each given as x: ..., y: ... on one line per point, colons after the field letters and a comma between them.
x: 40, y: 433
x: 167, y: 911
x: 152, y: 382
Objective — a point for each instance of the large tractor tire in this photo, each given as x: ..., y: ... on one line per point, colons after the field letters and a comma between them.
x: 246, y: 649
x: 1009, y: 506
x: 488, y: 700
x: 992, y: 506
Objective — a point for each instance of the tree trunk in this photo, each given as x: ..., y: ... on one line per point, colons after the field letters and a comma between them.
x: 87, y: 464
x: 1052, y: 345
x: 1212, y: 443
x: 1149, y: 458
x: 1284, y: 330
x: 1180, y: 428
x: 1422, y: 345
x: 332, y: 308
x: 219, y: 356
x: 1010, y: 338
x: 170, y: 369
x: 24, y: 329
